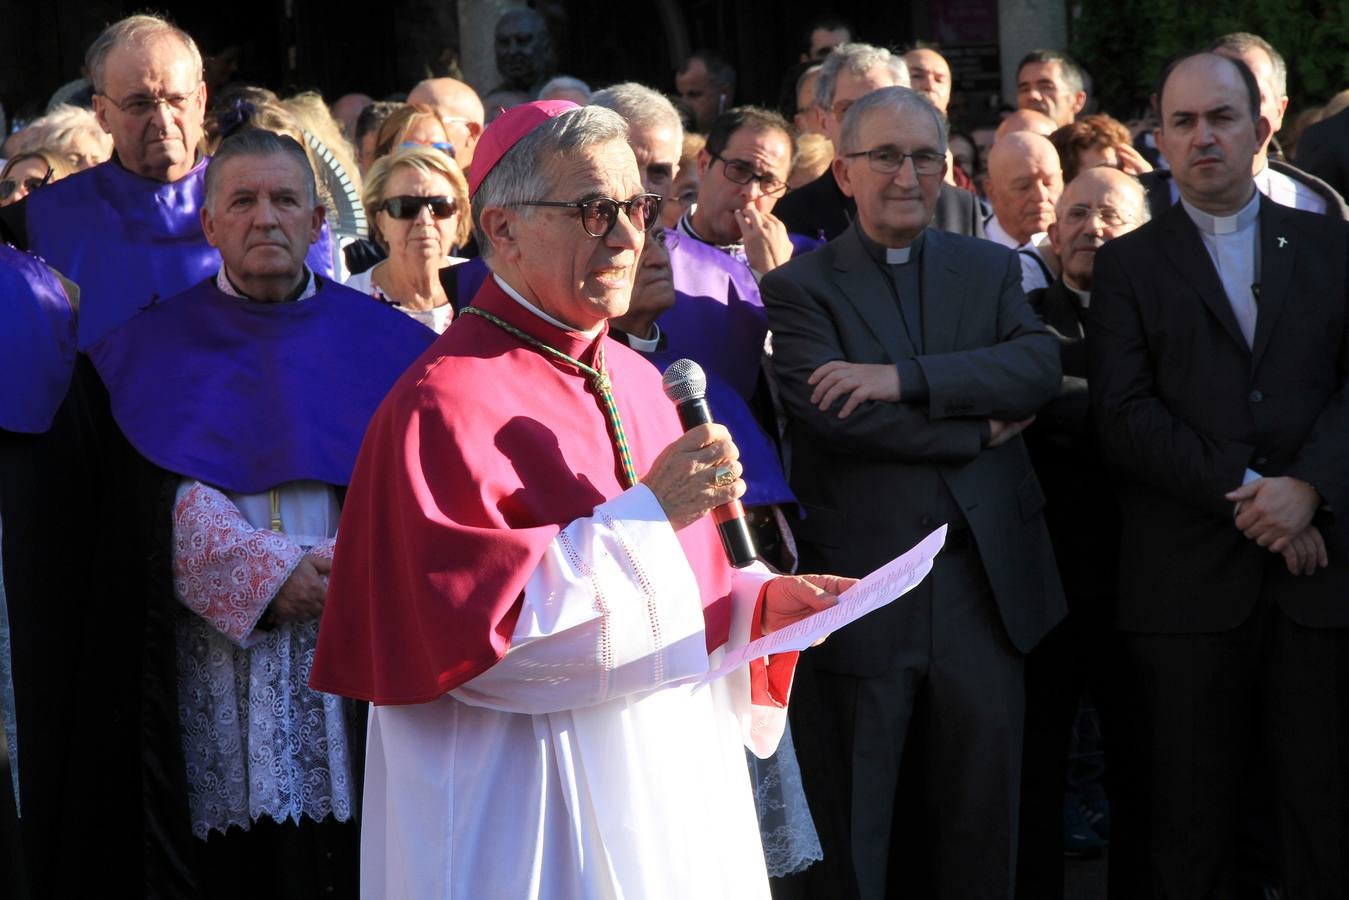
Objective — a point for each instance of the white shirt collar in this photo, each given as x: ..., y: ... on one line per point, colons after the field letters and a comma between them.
x: 994, y: 231
x: 227, y: 287
x: 1219, y: 225
x: 644, y: 345
x: 519, y: 298
x: 897, y: 255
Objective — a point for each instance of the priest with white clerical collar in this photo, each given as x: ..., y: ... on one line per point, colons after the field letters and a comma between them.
x: 528, y: 584
x: 243, y: 401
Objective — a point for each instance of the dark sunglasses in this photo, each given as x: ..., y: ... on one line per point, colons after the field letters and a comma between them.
x: 411, y: 207
x: 599, y: 216
x: 10, y: 185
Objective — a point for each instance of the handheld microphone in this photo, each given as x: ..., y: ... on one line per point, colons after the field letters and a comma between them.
x: 686, y: 386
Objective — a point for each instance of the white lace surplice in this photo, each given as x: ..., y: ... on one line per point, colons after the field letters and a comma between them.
x: 257, y: 741
x: 588, y: 763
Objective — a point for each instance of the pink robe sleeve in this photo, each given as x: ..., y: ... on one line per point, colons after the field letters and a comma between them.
x: 224, y: 569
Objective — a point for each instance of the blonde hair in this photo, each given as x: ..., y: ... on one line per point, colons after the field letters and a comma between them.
x: 57, y: 129
x: 59, y: 165
x: 429, y: 161
x: 399, y: 123
x: 814, y: 154
x: 313, y: 116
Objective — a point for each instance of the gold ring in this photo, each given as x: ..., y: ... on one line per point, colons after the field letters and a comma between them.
x: 723, y: 476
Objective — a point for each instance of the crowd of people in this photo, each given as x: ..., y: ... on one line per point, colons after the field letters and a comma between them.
x: 350, y: 545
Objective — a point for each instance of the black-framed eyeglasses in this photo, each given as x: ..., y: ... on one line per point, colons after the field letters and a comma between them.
x: 598, y: 216
x: 139, y: 106
x: 889, y: 160
x: 1079, y: 213
x: 741, y: 172
x: 410, y: 207
x: 30, y: 184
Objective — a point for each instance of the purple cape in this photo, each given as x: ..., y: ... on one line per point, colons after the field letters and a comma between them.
x: 126, y: 240
x: 718, y: 318
x: 37, y: 343
x: 246, y: 396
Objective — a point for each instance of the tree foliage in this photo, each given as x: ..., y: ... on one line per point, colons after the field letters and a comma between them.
x: 1125, y: 43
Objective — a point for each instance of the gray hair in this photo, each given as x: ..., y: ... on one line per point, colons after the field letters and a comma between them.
x: 137, y: 29
x: 564, y: 83
x: 524, y: 173
x: 899, y: 99
x: 258, y: 142
x: 641, y: 106
x: 1242, y: 41
x: 59, y: 128
x: 858, y: 59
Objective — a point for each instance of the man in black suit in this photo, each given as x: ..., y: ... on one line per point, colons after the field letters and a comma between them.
x: 1219, y: 375
x: 821, y: 209
x: 1276, y: 178
x: 909, y: 363
x: 1083, y: 516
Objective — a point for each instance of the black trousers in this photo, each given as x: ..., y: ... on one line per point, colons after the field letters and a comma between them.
x: 949, y: 712
x: 1201, y: 714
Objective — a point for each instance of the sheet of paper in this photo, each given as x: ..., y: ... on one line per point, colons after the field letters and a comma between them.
x: 885, y: 585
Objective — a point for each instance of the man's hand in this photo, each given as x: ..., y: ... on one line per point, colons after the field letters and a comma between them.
x: 856, y: 381
x: 683, y: 477
x: 766, y: 243
x: 1001, y: 432
x: 1306, y: 552
x: 790, y: 598
x: 301, y: 597
x: 1272, y: 511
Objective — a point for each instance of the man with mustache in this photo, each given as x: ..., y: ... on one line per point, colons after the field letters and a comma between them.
x: 1218, y: 363
x: 1083, y: 517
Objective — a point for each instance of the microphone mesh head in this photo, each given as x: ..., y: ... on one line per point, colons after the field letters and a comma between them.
x: 684, y: 380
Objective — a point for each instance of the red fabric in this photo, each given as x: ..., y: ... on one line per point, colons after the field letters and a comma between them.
x: 770, y: 679
x: 481, y: 453
x: 506, y: 130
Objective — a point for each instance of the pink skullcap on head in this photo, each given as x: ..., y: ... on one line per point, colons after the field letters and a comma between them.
x: 506, y: 131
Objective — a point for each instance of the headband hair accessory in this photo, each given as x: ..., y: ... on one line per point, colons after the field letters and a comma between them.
x: 239, y: 113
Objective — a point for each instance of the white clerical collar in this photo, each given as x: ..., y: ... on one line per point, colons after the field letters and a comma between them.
x: 897, y: 256
x: 1219, y: 225
x: 1083, y: 297
x: 519, y: 298
x: 643, y: 345
x: 222, y: 281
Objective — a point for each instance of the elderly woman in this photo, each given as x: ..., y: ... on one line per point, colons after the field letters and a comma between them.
x: 28, y: 171
x: 72, y: 132
x: 416, y: 201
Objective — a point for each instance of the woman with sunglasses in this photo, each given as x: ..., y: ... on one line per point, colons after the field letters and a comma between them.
x: 416, y: 201
x: 27, y: 172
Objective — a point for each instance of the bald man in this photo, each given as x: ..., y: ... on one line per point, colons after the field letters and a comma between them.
x: 1031, y: 120
x: 1083, y: 517
x: 347, y: 109
x: 1024, y: 182
x: 459, y: 108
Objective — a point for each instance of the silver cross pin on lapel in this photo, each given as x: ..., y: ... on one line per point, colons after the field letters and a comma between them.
x: 1283, y: 241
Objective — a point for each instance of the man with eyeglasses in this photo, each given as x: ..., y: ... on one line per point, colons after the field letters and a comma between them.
x: 1101, y: 204
x: 527, y: 574
x: 241, y: 403
x: 909, y: 363
x: 127, y: 231
x: 821, y: 209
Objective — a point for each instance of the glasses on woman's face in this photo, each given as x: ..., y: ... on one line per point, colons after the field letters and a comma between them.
x: 599, y: 216
x: 411, y: 207
x: 9, y: 186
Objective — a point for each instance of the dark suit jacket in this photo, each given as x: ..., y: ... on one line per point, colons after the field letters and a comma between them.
x: 875, y: 483
x: 1081, y: 509
x: 821, y: 210
x: 1184, y: 407
x: 1157, y: 183
x: 1323, y: 151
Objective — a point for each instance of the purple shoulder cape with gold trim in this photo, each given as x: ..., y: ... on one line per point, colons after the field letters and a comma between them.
x: 37, y: 343
x: 246, y: 396
x: 126, y: 240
